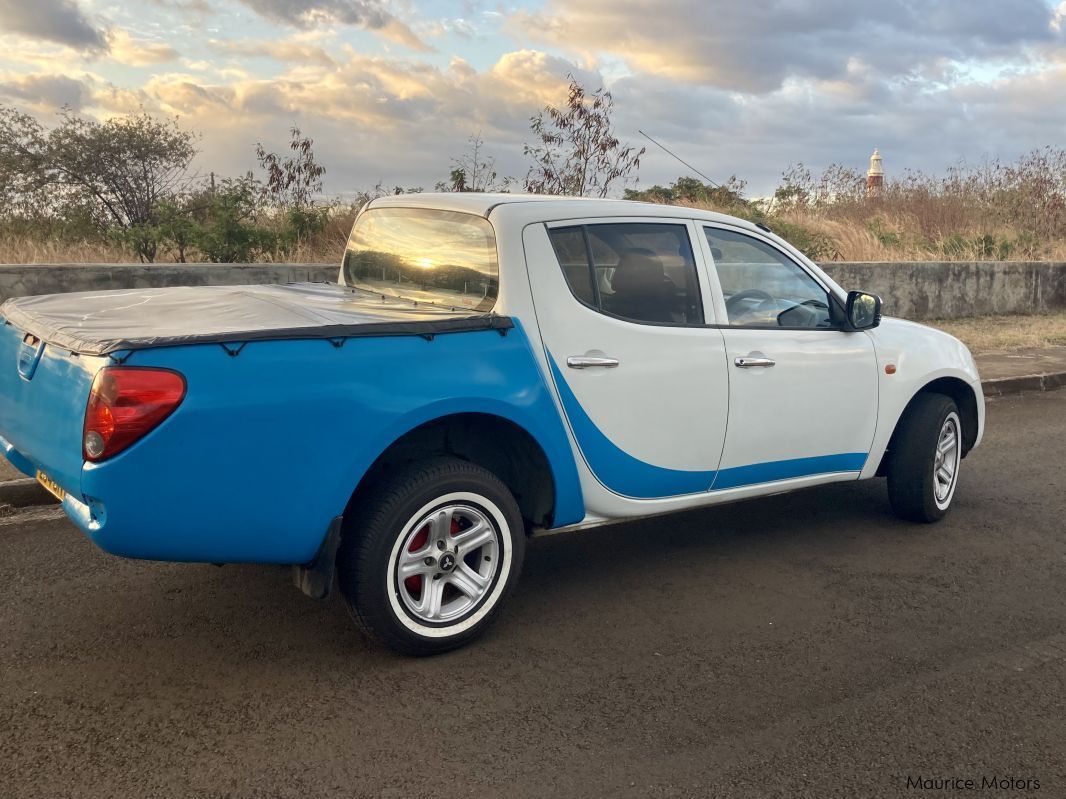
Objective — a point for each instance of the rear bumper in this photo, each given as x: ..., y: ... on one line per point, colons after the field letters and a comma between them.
x: 16, y: 458
x: 148, y: 514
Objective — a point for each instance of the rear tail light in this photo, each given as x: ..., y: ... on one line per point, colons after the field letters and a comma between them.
x: 125, y: 404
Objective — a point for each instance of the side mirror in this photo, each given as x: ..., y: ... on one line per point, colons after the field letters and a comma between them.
x: 863, y: 310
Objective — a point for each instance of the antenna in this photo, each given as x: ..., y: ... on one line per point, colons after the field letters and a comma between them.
x: 677, y: 157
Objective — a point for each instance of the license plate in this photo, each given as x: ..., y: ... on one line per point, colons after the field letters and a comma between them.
x: 51, y: 485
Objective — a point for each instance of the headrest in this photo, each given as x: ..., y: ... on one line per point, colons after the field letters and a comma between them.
x: 637, y: 268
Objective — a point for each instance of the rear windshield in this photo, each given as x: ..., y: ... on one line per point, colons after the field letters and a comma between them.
x: 436, y: 257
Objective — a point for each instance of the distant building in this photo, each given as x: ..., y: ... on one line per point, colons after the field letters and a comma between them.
x: 875, y: 176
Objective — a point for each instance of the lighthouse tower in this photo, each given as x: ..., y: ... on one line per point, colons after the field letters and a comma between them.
x: 875, y: 176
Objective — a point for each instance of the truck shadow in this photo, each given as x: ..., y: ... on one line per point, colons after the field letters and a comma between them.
x: 252, y: 616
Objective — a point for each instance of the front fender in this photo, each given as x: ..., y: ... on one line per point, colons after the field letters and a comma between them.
x: 920, y: 356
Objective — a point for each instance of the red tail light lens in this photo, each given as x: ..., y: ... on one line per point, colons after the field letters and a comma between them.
x: 125, y: 404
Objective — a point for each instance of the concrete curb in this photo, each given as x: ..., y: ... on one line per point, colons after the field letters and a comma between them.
x: 28, y: 492
x: 1023, y: 384
x: 24, y: 493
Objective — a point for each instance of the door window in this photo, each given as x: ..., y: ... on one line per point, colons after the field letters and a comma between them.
x: 638, y: 271
x: 762, y: 286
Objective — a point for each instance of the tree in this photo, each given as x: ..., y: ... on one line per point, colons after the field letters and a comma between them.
x: 224, y: 226
x: 118, y: 171
x: 294, y: 180
x: 473, y: 172
x: 576, y: 151
x: 727, y: 197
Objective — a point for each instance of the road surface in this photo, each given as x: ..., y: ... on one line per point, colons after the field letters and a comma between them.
x: 803, y: 645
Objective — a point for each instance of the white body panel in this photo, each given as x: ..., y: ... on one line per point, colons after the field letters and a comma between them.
x: 819, y: 398
x: 827, y: 394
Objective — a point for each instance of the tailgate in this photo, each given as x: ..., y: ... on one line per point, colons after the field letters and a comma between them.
x: 43, y: 391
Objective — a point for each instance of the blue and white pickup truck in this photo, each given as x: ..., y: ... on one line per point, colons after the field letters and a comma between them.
x: 488, y: 367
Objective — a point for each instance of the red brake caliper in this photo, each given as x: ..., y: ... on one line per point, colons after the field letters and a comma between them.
x: 414, y: 584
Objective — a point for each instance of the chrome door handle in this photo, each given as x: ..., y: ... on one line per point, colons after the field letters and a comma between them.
x: 588, y: 361
x: 747, y: 363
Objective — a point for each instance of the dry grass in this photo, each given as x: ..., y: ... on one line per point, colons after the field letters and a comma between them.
x: 21, y: 250
x: 326, y: 247
x: 851, y: 233
x: 853, y: 241
x: 1004, y: 333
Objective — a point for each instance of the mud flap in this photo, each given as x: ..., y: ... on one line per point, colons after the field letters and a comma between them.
x: 316, y: 578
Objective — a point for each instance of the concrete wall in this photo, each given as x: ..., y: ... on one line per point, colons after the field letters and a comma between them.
x: 946, y: 290
x: 918, y: 290
x: 22, y: 280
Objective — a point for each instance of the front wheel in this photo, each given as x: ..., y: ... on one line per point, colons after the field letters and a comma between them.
x: 427, y: 562
x: 924, y: 469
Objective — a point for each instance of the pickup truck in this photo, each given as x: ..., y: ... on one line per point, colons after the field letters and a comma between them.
x: 488, y: 367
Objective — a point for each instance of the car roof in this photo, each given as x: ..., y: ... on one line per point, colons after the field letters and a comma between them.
x: 547, y: 206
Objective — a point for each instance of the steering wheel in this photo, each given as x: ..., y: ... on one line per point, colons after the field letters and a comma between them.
x: 748, y: 294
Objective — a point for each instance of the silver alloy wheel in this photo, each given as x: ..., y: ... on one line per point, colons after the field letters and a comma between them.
x: 448, y: 563
x: 946, y: 461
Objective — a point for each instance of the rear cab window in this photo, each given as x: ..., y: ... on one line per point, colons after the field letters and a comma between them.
x: 441, y: 258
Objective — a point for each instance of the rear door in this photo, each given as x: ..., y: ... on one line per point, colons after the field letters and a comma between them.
x: 641, y: 376
x: 803, y: 394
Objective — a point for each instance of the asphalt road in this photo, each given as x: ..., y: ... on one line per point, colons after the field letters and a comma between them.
x: 806, y: 645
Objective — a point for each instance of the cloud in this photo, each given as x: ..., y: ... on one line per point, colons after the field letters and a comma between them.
x: 401, y: 120
x: 60, y: 21
x: 280, y: 50
x: 915, y: 126
x: 370, y: 14
x: 756, y: 47
x: 372, y: 118
x: 732, y: 89
x: 1058, y: 18
x: 199, y: 8
x: 183, y: 94
x: 138, y: 53
x: 382, y: 96
x: 46, y: 92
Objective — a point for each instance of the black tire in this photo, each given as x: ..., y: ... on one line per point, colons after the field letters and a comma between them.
x: 372, y: 550
x: 912, y: 481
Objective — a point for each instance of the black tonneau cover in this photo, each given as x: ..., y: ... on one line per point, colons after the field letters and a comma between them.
x: 103, y: 322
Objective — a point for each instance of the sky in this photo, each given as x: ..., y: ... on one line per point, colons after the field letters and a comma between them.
x: 391, y: 90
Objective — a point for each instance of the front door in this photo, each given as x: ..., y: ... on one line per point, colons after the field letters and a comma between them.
x: 642, y: 380
x: 803, y: 395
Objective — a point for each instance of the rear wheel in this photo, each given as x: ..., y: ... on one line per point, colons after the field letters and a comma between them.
x: 927, y: 452
x: 427, y: 562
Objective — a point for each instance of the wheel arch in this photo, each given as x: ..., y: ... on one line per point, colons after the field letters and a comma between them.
x: 494, y: 442
x: 965, y: 400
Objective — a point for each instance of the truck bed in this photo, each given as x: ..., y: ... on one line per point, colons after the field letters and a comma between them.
x: 105, y: 322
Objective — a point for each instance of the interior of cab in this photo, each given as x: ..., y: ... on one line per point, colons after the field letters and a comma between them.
x: 641, y: 271
x: 646, y: 272
x: 764, y: 288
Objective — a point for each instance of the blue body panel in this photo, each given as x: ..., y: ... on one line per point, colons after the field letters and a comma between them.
x: 771, y: 471
x: 268, y: 445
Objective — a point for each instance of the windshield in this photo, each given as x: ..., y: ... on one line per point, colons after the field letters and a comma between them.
x: 437, y: 257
